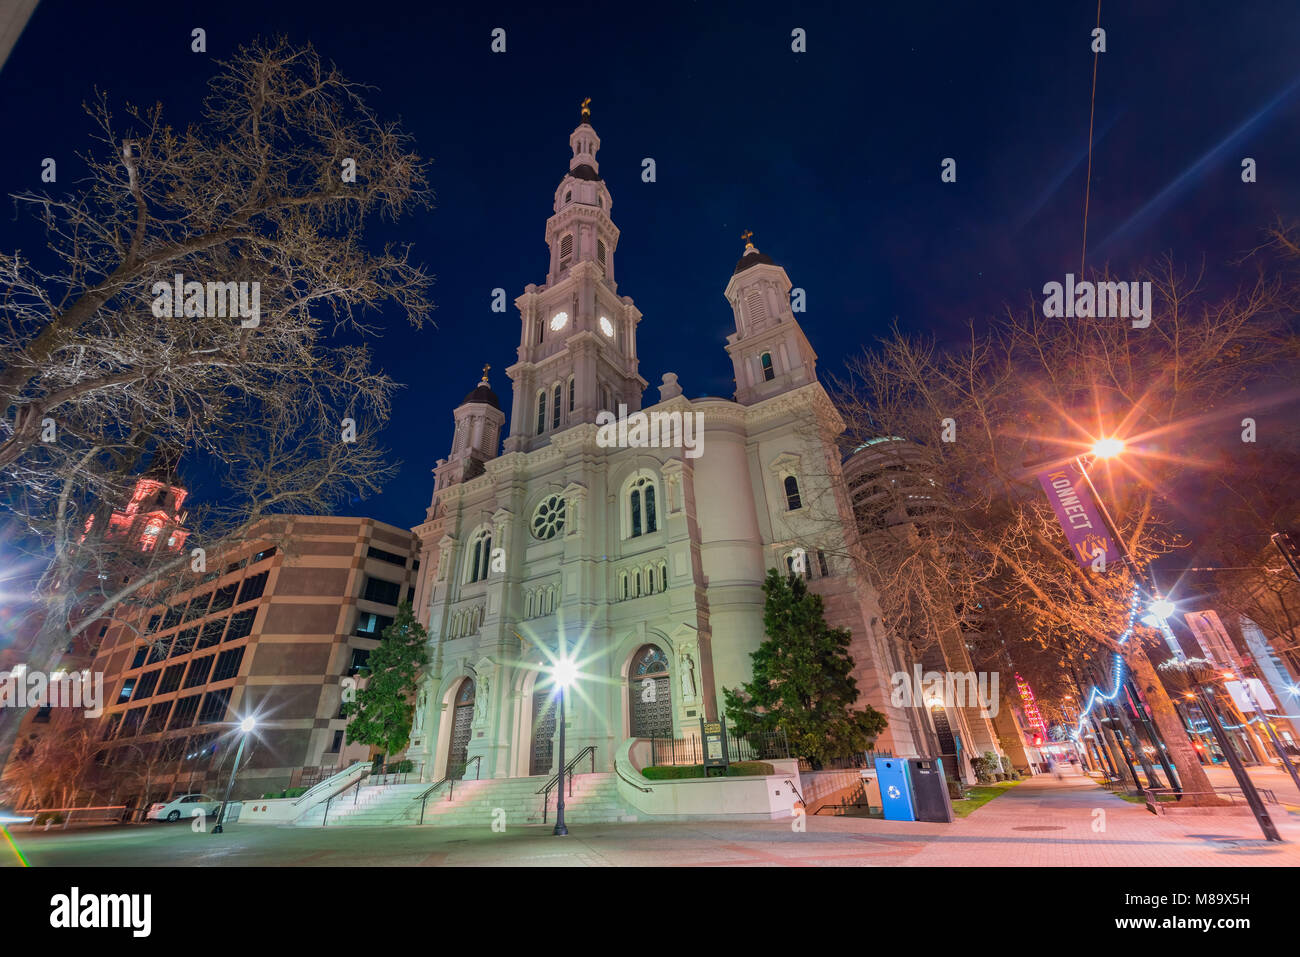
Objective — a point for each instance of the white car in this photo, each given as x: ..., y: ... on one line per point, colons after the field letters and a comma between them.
x: 183, y: 805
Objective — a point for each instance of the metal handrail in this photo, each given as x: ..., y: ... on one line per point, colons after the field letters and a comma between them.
x: 1234, y: 795
x: 324, y: 821
x: 359, y: 765
x: 796, y: 792
x: 423, y: 798
x: 588, y: 751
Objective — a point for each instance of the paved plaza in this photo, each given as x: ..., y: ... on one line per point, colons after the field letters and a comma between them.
x: 1042, y: 822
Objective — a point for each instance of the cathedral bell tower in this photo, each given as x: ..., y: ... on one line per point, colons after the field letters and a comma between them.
x: 577, y: 346
x: 769, y: 351
x: 478, y: 433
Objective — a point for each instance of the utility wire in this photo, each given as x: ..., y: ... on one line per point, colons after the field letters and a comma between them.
x: 1087, y: 185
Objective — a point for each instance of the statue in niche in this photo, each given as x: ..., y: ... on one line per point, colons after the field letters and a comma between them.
x: 421, y: 705
x: 688, y: 677
x: 481, y: 694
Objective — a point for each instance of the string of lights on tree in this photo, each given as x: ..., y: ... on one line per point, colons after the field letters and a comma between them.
x: 1096, y: 694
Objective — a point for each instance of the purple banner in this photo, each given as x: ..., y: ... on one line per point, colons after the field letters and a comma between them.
x: 1078, y: 514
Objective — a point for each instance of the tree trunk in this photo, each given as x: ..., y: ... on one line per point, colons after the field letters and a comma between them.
x: 45, y: 653
x: 1190, y: 773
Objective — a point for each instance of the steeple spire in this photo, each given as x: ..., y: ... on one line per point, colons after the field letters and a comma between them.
x: 586, y: 111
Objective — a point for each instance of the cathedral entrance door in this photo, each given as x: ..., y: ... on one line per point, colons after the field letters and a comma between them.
x: 543, y: 755
x: 462, y: 720
x: 650, y: 693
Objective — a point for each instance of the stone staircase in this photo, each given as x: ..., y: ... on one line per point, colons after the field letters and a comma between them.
x: 595, y: 799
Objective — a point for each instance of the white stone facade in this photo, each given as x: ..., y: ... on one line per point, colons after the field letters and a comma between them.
x: 564, y: 545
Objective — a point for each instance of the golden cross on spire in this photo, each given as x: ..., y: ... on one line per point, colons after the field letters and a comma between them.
x: 748, y: 237
x: 586, y: 109
x: 486, y: 367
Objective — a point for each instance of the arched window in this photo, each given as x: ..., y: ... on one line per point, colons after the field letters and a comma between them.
x: 600, y: 253
x: 571, y: 393
x: 566, y: 251
x: 643, y: 518
x: 650, y: 580
x: 541, y: 412
x: 623, y: 586
x: 792, y: 500
x: 528, y: 604
x: 550, y: 599
x: 768, y: 372
x: 480, y: 556
x: 555, y: 418
x: 635, y: 577
x: 663, y: 576
x: 568, y: 196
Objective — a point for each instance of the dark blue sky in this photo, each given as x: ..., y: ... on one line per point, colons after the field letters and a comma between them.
x: 831, y: 157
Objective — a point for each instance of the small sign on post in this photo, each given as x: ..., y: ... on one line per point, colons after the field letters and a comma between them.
x: 714, y: 736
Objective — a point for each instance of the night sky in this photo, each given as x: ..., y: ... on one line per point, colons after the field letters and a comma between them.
x: 832, y: 157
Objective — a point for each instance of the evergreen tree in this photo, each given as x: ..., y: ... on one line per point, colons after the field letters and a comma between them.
x: 801, y: 679
x: 382, y: 712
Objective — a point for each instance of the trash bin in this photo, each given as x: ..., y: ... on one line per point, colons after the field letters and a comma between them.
x: 930, y: 800
x: 895, y: 789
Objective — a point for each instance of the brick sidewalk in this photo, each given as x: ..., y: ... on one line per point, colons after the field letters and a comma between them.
x: 1046, y: 822
x: 1041, y: 822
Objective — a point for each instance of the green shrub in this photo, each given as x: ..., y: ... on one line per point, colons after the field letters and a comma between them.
x: 737, y: 770
x: 294, y: 792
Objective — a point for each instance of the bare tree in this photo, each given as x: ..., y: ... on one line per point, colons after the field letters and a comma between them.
x: 104, y: 370
x: 993, y: 410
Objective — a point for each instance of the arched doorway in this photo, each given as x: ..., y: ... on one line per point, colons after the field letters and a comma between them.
x: 650, y: 694
x: 462, y: 720
x: 541, y: 760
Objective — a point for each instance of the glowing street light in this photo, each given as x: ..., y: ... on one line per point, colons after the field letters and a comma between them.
x: 1163, y: 608
x: 1107, y: 448
x: 563, y: 673
x: 245, y: 728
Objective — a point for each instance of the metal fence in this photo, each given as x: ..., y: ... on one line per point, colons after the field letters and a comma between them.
x: 47, y: 817
x: 848, y: 762
x: 759, y: 746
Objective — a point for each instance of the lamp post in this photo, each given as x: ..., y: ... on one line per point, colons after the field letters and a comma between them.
x: 562, y: 674
x: 1268, y: 728
x: 1105, y: 449
x: 245, y: 726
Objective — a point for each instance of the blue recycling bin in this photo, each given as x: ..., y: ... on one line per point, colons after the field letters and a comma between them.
x: 895, y: 789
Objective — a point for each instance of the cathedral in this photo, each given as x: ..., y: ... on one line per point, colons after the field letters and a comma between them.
x: 642, y: 563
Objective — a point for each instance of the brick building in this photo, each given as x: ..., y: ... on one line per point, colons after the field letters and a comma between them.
x: 271, y: 632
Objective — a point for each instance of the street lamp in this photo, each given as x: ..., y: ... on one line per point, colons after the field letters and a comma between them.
x: 1104, y: 449
x: 1107, y: 448
x: 245, y: 727
x: 563, y: 673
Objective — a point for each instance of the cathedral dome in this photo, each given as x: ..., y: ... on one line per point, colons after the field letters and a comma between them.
x: 752, y: 257
x: 482, y: 393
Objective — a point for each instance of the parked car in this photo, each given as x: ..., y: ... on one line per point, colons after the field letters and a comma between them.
x: 183, y: 805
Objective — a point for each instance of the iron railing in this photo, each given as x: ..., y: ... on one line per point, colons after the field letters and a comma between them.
x: 450, y: 781
x: 63, y: 816
x: 546, y: 789
x: 757, y: 746
x: 397, y: 772
x: 848, y: 762
x: 1234, y: 795
x: 324, y: 821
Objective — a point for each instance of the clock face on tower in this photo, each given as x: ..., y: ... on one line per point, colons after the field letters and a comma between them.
x: 607, y: 327
x: 558, y: 321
